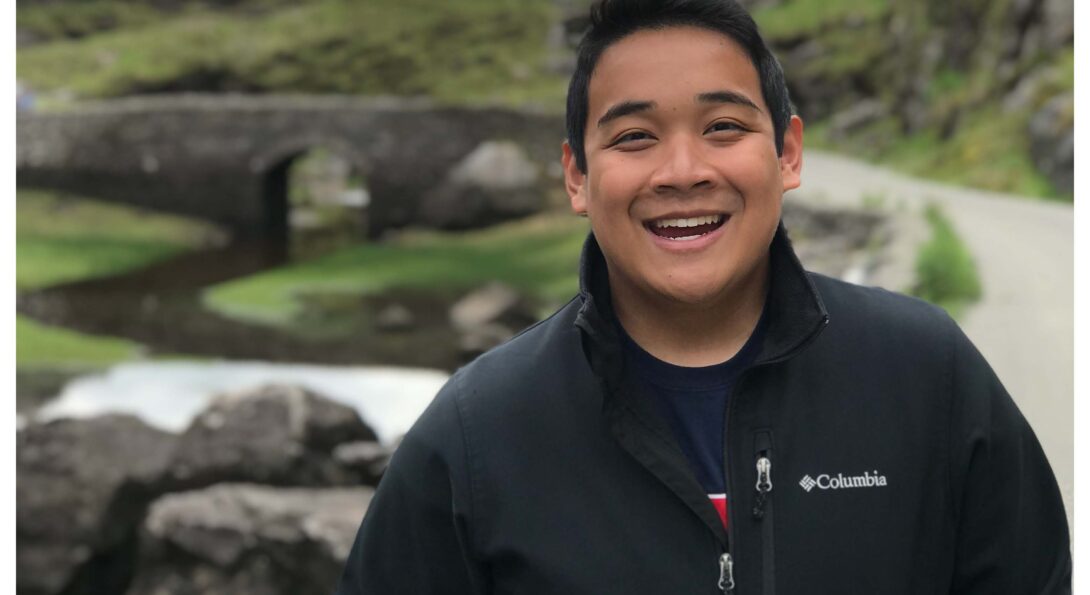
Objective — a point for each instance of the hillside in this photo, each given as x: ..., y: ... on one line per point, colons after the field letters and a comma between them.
x: 978, y: 93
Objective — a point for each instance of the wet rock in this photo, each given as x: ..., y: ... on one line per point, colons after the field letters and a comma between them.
x: 241, y: 538
x: 1052, y: 141
x: 274, y: 434
x: 394, y: 317
x: 80, y: 496
x: 489, y: 316
x: 369, y: 459
x: 495, y: 182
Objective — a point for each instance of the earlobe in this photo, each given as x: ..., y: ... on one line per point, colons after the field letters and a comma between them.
x: 574, y: 181
x: 791, y: 159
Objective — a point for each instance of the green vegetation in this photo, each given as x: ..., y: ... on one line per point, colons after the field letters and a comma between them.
x: 60, y: 20
x: 536, y: 255
x: 38, y: 345
x: 67, y: 239
x: 469, y: 51
x: 59, y: 239
x: 945, y: 272
x: 798, y: 18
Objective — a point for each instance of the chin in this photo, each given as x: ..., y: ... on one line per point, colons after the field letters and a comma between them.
x: 693, y: 294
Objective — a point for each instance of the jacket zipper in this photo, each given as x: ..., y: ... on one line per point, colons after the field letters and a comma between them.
x: 762, y: 509
x: 726, y: 560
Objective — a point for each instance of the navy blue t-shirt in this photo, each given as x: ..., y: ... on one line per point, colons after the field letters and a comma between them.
x: 694, y: 403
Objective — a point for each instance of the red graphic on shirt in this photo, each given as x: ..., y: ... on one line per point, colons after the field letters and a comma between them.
x: 719, y: 501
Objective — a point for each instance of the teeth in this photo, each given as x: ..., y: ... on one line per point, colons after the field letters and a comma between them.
x: 690, y: 222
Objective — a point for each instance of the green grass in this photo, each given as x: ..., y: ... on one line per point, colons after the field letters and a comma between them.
x: 795, y: 18
x: 38, y: 345
x: 990, y: 150
x: 53, y: 21
x: 945, y: 272
x: 67, y: 239
x: 538, y: 256
x: 469, y: 51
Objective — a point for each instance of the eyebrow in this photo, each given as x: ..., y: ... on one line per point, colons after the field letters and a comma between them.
x: 627, y: 108
x: 727, y: 97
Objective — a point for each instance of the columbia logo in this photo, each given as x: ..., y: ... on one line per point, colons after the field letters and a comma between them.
x: 869, y: 479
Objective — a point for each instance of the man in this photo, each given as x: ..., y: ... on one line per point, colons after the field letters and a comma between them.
x: 705, y: 416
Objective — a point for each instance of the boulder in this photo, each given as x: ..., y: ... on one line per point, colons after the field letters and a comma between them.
x: 80, y: 496
x: 274, y: 434
x: 489, y: 316
x: 369, y: 459
x: 242, y: 538
x: 494, y: 182
x: 1052, y: 141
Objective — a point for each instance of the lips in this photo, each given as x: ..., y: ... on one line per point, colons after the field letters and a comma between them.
x: 685, y: 228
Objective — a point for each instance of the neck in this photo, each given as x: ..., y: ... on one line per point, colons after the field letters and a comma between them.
x: 694, y: 335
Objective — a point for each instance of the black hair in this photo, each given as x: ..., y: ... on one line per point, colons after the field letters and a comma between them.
x: 612, y: 20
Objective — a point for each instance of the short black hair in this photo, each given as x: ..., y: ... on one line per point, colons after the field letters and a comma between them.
x: 612, y: 20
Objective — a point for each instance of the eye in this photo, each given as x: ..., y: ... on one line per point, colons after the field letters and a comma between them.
x: 632, y: 138
x: 725, y: 126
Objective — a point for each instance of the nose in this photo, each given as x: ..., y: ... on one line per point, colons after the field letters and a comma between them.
x: 683, y: 167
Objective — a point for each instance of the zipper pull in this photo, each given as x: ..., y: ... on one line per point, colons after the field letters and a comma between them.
x: 764, y: 486
x: 726, y: 573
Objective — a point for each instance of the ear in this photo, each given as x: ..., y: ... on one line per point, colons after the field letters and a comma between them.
x: 574, y: 181
x: 791, y: 159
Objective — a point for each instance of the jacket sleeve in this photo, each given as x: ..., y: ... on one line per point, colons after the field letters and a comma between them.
x: 1012, y: 534
x: 414, y: 538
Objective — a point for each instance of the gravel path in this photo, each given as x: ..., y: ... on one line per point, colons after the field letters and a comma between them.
x: 1023, y: 249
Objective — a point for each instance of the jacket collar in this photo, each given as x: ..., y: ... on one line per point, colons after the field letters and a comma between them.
x: 795, y: 312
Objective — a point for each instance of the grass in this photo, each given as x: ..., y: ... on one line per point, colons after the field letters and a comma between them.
x: 945, y: 272
x: 469, y: 51
x: 60, y: 239
x: 796, y: 18
x: 41, y: 346
x: 536, y: 255
x: 990, y: 150
x: 68, y: 239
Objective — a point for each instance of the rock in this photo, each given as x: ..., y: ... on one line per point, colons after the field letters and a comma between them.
x: 394, y: 317
x: 241, y: 538
x: 80, y: 497
x: 491, y: 303
x: 369, y: 459
x: 859, y: 115
x: 489, y: 316
x: 494, y: 182
x: 1052, y: 141
x: 281, y: 435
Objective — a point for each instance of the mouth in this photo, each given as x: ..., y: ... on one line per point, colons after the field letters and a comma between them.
x: 686, y: 229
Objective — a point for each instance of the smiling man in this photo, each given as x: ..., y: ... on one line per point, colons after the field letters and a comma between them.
x: 705, y: 416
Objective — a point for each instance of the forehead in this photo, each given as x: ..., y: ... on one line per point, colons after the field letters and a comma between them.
x: 653, y: 64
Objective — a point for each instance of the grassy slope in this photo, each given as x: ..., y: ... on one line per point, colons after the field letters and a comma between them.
x: 476, y: 50
x: 988, y: 150
x: 59, y: 240
x: 536, y: 255
x: 945, y: 272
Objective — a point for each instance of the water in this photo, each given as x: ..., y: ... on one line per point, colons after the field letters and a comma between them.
x: 168, y: 395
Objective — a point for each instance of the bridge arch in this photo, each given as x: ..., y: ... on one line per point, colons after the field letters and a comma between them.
x: 276, y: 165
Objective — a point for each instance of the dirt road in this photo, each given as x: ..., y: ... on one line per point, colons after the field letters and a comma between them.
x: 1024, y: 253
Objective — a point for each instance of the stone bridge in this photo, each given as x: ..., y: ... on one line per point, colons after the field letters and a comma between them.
x: 225, y: 158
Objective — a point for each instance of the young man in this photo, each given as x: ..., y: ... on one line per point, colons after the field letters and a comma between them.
x: 705, y: 416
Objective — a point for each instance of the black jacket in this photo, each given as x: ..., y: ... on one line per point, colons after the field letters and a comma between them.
x: 897, y: 464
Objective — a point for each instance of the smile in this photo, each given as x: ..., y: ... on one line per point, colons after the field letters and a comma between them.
x: 687, y: 229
